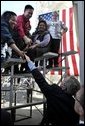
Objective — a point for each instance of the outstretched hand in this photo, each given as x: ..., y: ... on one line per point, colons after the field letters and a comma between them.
x: 21, y: 53
x: 27, y: 57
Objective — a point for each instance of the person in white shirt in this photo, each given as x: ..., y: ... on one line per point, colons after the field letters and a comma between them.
x: 57, y: 29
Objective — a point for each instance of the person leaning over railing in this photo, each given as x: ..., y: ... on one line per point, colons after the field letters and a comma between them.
x: 60, y: 102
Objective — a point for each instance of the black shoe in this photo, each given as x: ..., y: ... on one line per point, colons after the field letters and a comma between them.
x: 49, y: 66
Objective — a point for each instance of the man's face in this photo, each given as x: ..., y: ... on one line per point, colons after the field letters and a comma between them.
x: 13, y: 21
x: 64, y: 84
x: 28, y: 13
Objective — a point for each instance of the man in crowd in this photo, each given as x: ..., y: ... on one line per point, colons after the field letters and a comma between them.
x: 60, y: 102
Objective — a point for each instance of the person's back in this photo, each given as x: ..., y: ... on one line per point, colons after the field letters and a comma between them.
x: 60, y: 107
x: 60, y: 102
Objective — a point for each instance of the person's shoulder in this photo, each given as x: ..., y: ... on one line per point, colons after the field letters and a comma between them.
x: 19, y: 16
x: 46, y: 33
x: 3, y: 23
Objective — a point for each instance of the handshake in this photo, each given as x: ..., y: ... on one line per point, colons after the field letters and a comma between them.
x: 28, y: 43
x: 27, y: 40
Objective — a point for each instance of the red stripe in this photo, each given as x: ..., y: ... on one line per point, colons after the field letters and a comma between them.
x: 64, y: 41
x: 52, y: 72
x: 60, y: 63
x: 74, y: 63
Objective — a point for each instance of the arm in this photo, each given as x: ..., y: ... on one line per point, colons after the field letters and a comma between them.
x: 17, y: 50
x: 43, y: 85
x: 7, y: 37
x: 21, y: 30
x: 64, y: 28
x: 45, y: 41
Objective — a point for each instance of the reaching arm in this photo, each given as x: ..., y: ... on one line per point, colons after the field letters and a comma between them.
x: 17, y: 50
x: 64, y: 28
x: 6, y: 36
x: 43, y: 85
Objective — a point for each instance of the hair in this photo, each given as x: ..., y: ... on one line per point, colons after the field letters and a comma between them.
x: 43, y: 21
x: 28, y: 7
x: 7, y: 15
x: 72, y: 85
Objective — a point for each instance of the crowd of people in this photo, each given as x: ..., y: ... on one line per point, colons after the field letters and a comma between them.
x: 15, y: 31
x: 63, y: 106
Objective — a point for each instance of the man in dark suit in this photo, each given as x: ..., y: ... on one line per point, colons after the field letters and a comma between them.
x: 60, y: 103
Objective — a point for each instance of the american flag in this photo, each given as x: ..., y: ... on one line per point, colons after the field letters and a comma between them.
x: 49, y: 16
x: 69, y: 41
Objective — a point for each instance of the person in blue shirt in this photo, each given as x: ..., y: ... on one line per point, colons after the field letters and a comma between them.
x: 8, y: 26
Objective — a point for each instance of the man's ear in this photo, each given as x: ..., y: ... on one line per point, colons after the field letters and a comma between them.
x: 81, y: 111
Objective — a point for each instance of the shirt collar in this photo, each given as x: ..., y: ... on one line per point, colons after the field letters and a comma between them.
x: 25, y: 19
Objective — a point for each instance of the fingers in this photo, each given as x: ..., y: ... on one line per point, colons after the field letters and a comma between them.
x: 27, y: 58
x: 22, y: 55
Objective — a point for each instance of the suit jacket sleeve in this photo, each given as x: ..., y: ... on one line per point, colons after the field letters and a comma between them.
x: 40, y: 80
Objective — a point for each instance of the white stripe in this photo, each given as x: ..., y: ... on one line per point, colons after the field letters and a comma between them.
x: 68, y: 43
x: 75, y: 46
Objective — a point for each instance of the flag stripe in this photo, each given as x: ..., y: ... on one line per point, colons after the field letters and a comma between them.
x: 71, y: 71
x: 72, y: 41
x: 76, y: 45
x: 64, y: 41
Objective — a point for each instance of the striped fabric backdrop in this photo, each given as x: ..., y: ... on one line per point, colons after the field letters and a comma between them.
x: 69, y: 40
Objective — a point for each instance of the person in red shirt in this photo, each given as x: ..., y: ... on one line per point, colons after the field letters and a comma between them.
x: 23, y: 28
x: 23, y: 24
